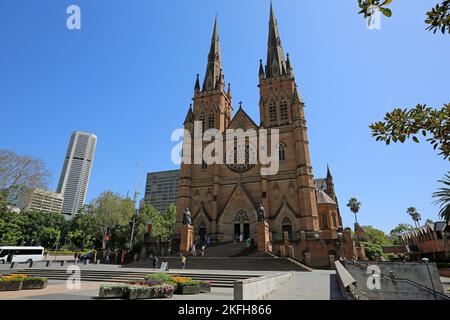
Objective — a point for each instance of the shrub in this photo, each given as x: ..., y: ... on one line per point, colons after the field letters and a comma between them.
x: 35, y: 279
x: 161, y: 276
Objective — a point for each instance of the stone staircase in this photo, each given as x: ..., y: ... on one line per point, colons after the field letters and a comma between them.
x: 228, y: 256
x: 217, y: 280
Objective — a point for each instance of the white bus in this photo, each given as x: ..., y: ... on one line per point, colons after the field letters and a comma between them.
x: 21, y: 254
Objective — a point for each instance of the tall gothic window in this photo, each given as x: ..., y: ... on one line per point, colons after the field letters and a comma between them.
x: 282, y: 152
x: 284, y: 112
x: 211, y: 120
x: 202, y: 119
x: 272, y: 111
x: 324, y: 221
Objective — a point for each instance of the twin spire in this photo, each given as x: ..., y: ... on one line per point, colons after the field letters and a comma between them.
x: 276, y: 64
x: 214, y: 76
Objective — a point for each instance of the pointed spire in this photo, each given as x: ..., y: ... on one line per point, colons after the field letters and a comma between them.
x: 213, y: 70
x: 288, y: 64
x: 276, y: 64
x: 197, y: 84
x: 229, y: 91
x: 296, y: 98
x: 329, y: 176
x: 189, y: 116
x: 261, y: 69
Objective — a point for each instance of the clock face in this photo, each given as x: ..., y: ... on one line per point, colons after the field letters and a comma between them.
x: 247, y: 160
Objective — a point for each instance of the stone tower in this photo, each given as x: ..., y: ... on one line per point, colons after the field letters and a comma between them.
x: 282, y: 107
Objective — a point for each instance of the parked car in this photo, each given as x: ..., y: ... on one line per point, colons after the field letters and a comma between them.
x: 88, y: 256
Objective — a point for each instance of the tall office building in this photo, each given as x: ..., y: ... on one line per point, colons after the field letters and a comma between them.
x: 161, y: 189
x: 75, y: 173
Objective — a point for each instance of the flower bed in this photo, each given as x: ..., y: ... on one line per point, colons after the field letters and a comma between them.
x: 31, y: 283
x: 12, y: 282
x: 182, y: 285
x: 135, y: 292
x: 108, y: 291
x: 186, y: 285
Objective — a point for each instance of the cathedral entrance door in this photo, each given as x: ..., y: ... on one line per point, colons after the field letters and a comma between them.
x: 237, y: 230
x: 246, y: 231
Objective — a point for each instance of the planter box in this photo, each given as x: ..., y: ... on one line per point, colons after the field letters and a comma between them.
x: 10, y: 286
x: 187, y: 290
x: 138, y: 294
x: 109, y: 293
x: 205, y: 288
x: 29, y: 285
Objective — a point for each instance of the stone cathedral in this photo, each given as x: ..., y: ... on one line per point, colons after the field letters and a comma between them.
x: 224, y: 199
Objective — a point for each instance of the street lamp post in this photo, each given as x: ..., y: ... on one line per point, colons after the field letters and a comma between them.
x: 340, y: 236
x: 426, y: 260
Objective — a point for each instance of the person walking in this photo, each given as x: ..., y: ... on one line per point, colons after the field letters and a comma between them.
x: 247, y: 242
x: 193, y: 252
x: 155, y: 262
x: 183, y: 261
x: 203, y: 250
x: 241, y: 237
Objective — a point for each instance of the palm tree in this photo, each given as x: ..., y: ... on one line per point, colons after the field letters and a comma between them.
x: 354, y: 206
x: 443, y: 198
x: 415, y: 216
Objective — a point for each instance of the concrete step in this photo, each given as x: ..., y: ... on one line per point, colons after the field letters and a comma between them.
x: 254, y: 263
x: 223, y: 281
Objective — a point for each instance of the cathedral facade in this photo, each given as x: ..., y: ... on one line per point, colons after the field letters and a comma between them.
x: 224, y: 199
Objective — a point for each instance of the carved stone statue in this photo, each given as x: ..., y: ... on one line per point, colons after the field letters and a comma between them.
x: 261, y: 213
x: 187, y: 217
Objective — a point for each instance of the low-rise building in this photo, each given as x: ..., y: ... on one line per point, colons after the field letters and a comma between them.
x: 430, y: 241
x: 41, y: 200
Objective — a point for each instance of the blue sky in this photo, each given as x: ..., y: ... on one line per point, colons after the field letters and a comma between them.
x: 128, y: 76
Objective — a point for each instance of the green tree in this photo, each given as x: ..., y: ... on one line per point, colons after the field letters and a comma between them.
x: 354, y: 206
x: 415, y: 216
x: 375, y: 236
x: 438, y: 18
x: 49, y: 237
x: 80, y: 239
x: 11, y: 227
x: 10, y: 233
x: 402, y: 124
x: 109, y: 212
x: 373, y: 250
x: 399, y: 231
x: 442, y: 197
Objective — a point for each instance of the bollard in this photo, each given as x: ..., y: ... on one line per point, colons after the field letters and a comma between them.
x: 63, y: 262
x: 98, y: 262
x: 86, y: 261
x: 47, y: 263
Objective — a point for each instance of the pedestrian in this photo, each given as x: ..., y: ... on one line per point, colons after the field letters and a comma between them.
x: 155, y: 262
x: 193, y: 253
x: 241, y: 237
x: 203, y: 250
x: 183, y: 261
x: 247, y: 242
